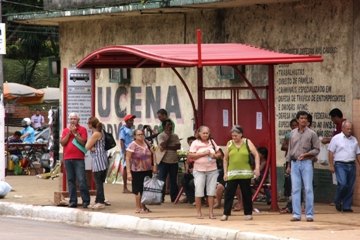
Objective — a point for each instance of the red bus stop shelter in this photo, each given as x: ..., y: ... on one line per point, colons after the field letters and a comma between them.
x: 197, y: 56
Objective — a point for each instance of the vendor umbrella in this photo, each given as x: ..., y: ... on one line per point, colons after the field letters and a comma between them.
x: 51, y: 94
x: 22, y: 93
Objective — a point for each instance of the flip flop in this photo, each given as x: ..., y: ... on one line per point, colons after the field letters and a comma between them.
x: 126, y: 191
x: 146, y: 210
x: 285, y: 210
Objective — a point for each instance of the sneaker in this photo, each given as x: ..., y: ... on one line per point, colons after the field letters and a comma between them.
x: 98, y: 206
x: 338, y: 207
x: 309, y: 219
x: 248, y: 217
x: 224, y: 218
x: 107, y: 203
x: 73, y: 205
x: 85, y: 205
x: 294, y: 219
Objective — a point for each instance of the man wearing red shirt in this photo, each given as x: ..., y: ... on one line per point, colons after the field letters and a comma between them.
x: 74, y: 160
x: 337, y: 118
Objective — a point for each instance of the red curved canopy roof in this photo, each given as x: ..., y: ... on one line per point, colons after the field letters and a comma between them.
x: 186, y: 55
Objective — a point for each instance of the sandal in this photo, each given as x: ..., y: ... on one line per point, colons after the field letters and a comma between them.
x: 146, y: 210
x: 126, y: 191
x: 285, y: 210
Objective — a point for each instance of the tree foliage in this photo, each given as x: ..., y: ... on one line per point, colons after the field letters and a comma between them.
x: 28, y: 45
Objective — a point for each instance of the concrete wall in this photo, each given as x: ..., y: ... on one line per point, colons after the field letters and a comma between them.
x: 355, y: 83
x: 324, y: 27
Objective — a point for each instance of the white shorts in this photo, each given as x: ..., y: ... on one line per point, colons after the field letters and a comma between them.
x: 208, y: 179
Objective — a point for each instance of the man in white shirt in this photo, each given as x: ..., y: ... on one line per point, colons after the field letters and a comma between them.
x: 343, y: 151
x: 37, y: 120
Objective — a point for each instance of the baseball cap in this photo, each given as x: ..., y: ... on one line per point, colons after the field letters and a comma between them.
x: 128, y: 117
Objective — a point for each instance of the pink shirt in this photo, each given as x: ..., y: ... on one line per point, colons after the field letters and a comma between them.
x: 141, y: 158
x: 203, y: 164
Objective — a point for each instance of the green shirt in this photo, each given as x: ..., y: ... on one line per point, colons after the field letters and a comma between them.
x: 238, y: 162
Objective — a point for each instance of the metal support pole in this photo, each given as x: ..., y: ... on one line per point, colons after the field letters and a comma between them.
x: 274, y: 197
x: 1, y: 58
x: 200, y: 83
x: 2, y: 134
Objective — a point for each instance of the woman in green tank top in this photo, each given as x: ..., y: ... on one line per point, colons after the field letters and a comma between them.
x: 237, y: 171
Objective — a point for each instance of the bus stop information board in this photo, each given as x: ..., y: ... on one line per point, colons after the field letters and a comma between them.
x: 79, y: 99
x: 79, y: 94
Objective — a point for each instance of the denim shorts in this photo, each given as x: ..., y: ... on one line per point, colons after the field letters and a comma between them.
x: 205, y: 179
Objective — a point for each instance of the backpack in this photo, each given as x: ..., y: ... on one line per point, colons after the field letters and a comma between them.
x: 109, y: 141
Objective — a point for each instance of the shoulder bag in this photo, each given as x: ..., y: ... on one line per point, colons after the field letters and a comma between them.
x: 251, y: 156
x: 109, y: 141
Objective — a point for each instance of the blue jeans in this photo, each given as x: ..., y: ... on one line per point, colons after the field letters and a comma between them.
x: 99, y: 178
x: 172, y: 170
x: 302, y: 173
x: 345, y: 176
x: 75, y: 170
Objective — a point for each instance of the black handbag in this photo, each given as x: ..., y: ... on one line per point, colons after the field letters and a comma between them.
x: 251, y: 156
x: 109, y: 141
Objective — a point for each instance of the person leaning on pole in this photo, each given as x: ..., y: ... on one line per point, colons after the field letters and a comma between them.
x: 125, y: 138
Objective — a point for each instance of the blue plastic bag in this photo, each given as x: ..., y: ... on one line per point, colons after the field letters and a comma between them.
x: 5, y: 188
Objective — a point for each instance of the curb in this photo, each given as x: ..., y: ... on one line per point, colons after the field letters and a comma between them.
x: 127, y: 223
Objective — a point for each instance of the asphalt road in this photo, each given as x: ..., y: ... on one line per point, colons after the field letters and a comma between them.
x: 24, y: 229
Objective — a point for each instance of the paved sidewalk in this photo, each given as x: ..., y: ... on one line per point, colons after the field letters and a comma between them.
x: 34, y: 198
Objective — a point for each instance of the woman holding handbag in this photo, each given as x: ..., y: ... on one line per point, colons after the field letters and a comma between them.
x: 204, y: 152
x: 96, y: 146
x: 139, y: 162
x: 237, y: 171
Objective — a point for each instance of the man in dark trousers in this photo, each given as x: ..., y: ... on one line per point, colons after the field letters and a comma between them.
x: 343, y: 151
